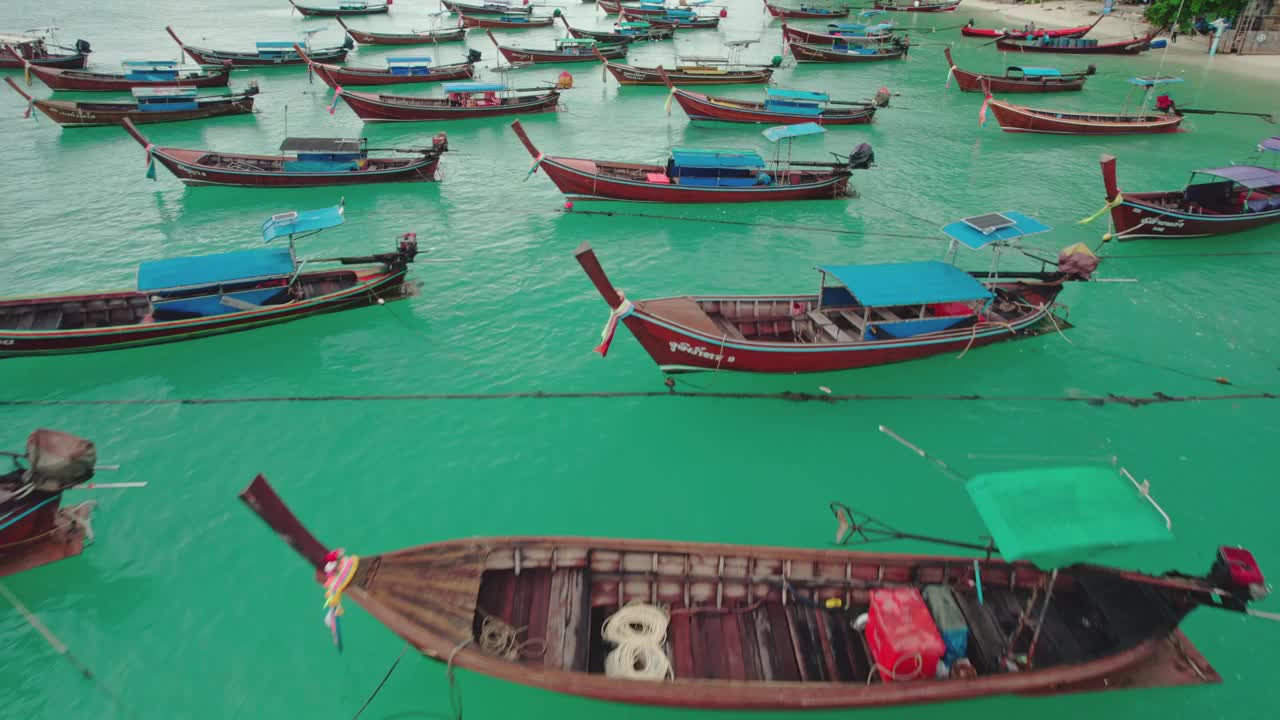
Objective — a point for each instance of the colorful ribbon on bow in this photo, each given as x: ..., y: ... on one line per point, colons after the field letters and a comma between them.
x: 534, y: 167
x: 950, y: 74
x: 616, y: 315
x: 337, y: 93
x: 339, y: 571
x: 1114, y: 202
x: 982, y: 111
x: 151, y: 161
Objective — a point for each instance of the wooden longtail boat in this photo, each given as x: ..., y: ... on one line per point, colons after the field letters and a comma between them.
x: 847, y: 34
x: 489, y: 8
x: 1019, y: 118
x: 312, y: 162
x: 709, y: 71
x: 191, y: 297
x: 343, y: 8
x: 918, y: 6
x: 150, y: 105
x: 699, y: 176
x: 1019, y: 79
x: 137, y: 73
x: 35, y: 529
x: 805, y: 11
x: 681, y: 19
x: 425, y: 37
x: 267, y: 54
x: 35, y: 49
x: 738, y: 627
x: 399, y: 70
x: 627, y: 32
x: 872, y: 315
x: 614, y: 8
x: 1071, y: 32
x: 1079, y: 46
x: 1231, y: 199
x: 505, y: 22
x: 844, y: 52
x: 567, y: 50
x: 780, y: 107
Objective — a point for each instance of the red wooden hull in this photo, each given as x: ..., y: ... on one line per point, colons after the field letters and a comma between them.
x: 375, y: 284
x: 72, y: 60
x: 922, y: 7
x: 205, y: 56
x: 703, y: 107
x: 309, y: 11
x: 359, y: 76
x: 81, y: 81
x: 488, y: 22
x: 804, y: 52
x: 804, y: 13
x: 372, y: 107
x: 41, y: 534
x: 1074, y: 32
x: 186, y: 166
x: 613, y: 8
x: 632, y: 75
x: 812, y: 38
x: 529, y: 55
x: 1128, y: 47
x: 1167, y: 215
x: 972, y: 81
x: 697, y: 23
x: 1016, y: 118
x: 579, y: 179
x: 498, y: 9
x: 88, y: 114
x: 365, y: 37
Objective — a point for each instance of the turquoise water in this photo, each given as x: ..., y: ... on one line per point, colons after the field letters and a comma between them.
x: 187, y: 607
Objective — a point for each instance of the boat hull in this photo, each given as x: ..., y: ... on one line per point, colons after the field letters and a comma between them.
x: 702, y: 107
x: 654, y: 33
x: 385, y: 285
x: 806, y: 14
x: 1016, y: 118
x: 237, y: 59
x: 185, y: 165
x: 804, y: 52
x: 632, y: 75
x: 308, y: 11
x: 467, y: 9
x: 485, y: 21
x: 972, y: 81
x: 697, y: 23
x: 1075, y: 32
x: 426, y: 38
x: 38, y: 531
x: 920, y: 7
x: 80, y: 114
x: 578, y: 181
x: 812, y: 38
x: 392, y: 108
x: 78, y: 81
x: 1131, y: 47
x: 74, y: 60
x: 528, y: 55
x: 364, y: 76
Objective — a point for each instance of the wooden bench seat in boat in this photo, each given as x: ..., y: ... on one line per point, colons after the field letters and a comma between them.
x: 854, y: 319
x: 684, y: 311
x: 832, y: 330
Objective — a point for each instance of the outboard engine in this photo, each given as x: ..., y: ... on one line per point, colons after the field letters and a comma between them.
x: 776, y: 62
x: 473, y: 56
x: 862, y: 157
x: 440, y: 142
x: 1235, y: 570
x: 82, y: 47
x: 408, y: 247
x: 882, y: 97
x: 1091, y: 70
x: 348, y: 43
x: 253, y: 88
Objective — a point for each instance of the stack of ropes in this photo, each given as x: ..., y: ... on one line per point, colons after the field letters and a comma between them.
x: 638, y: 631
x: 500, y: 639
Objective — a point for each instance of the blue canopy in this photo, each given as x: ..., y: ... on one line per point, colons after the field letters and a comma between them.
x: 291, y: 223
x: 846, y: 27
x: 1038, y: 72
x: 784, y: 132
x: 1271, y: 143
x: 871, y: 13
x: 213, y: 269
x: 1153, y: 81
x: 149, y: 64
x: 470, y: 87
x: 276, y: 45
x: 912, y: 283
x: 164, y: 92
x: 704, y: 157
x: 973, y: 238
x: 796, y: 94
x: 409, y: 59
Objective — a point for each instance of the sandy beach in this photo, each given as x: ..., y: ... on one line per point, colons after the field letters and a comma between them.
x: 1125, y: 22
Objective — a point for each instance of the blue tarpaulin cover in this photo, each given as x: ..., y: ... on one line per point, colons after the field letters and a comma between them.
x: 148, y: 93
x: 213, y: 269
x: 291, y: 223
x: 1153, y: 81
x: 1271, y: 143
x: 783, y: 132
x: 276, y: 45
x: 911, y: 283
x: 1250, y: 176
x: 158, y: 64
x: 975, y: 240
x: 796, y: 94
x: 1038, y: 71
x: 709, y: 157
x: 470, y: 87
x: 402, y: 59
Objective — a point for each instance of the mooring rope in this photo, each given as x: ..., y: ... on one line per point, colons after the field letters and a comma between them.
x: 1155, y: 398
x: 385, y: 678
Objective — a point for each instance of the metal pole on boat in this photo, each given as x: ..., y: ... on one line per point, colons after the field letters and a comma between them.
x: 917, y: 450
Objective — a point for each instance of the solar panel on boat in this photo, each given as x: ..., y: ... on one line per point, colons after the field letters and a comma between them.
x: 989, y: 223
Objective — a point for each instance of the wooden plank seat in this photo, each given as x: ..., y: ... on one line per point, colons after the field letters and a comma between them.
x: 829, y: 327
x: 855, y: 320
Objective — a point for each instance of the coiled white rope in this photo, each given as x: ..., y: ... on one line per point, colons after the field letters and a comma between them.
x: 638, y: 630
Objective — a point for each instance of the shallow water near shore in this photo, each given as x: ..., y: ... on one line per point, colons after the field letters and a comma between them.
x: 187, y: 607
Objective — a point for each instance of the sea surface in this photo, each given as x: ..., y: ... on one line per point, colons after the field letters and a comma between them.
x: 186, y: 606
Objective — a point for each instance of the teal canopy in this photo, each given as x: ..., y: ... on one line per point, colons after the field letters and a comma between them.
x: 786, y: 132
x: 153, y: 64
x: 408, y: 59
x: 710, y: 157
x: 470, y: 87
x: 1153, y: 81
x: 796, y: 94
x: 276, y: 45
x: 292, y: 223
x: 155, y: 93
x: 202, y: 270
x: 1007, y: 225
x: 911, y: 283
x: 1057, y: 517
x: 1038, y: 71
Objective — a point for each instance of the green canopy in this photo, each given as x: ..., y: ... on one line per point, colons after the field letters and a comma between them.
x: 1062, y: 516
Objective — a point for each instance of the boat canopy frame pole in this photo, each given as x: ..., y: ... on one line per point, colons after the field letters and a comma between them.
x: 852, y: 523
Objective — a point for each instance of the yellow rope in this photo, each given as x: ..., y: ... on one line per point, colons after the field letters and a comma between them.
x: 1114, y: 202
